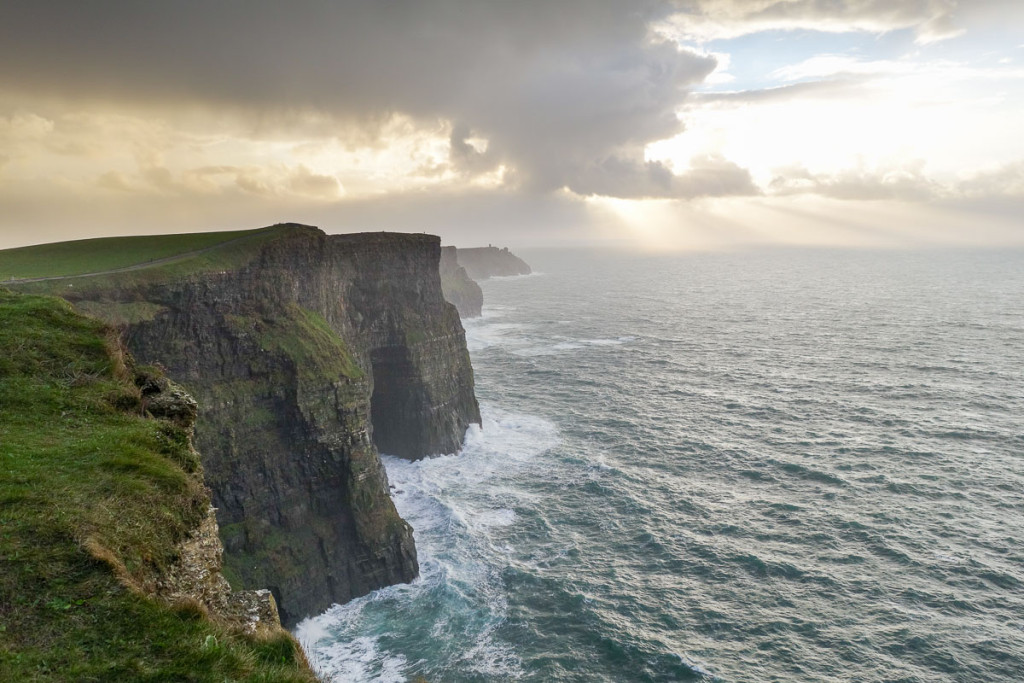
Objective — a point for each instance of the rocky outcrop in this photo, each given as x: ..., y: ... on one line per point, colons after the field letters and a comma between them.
x: 307, y: 353
x: 484, y: 262
x: 458, y: 288
x: 197, y: 576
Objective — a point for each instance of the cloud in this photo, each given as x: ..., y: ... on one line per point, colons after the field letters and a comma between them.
x: 466, y: 156
x: 274, y: 181
x: 702, y: 21
x: 117, y: 182
x: 556, y: 88
x: 839, y: 68
x: 907, y: 182
x: 707, y: 176
x: 305, y: 182
x: 20, y: 132
x: 821, y: 89
x: 24, y: 125
x: 455, y: 114
x: 1006, y: 180
x: 468, y: 217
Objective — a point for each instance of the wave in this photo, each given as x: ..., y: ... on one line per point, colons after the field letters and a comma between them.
x: 452, y: 614
x: 522, y: 276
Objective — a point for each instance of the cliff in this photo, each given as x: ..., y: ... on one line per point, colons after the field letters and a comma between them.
x: 458, y: 288
x: 484, y: 262
x: 109, y: 558
x: 307, y: 354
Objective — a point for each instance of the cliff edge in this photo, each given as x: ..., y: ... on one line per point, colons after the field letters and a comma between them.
x: 109, y: 558
x: 307, y: 354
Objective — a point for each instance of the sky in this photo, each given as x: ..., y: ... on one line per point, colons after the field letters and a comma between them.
x: 647, y: 124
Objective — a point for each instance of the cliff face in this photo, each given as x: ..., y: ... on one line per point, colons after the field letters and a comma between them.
x: 306, y: 357
x: 484, y: 262
x: 459, y: 289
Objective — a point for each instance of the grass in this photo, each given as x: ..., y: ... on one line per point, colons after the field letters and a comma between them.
x: 94, y: 498
x: 88, y: 256
x: 306, y: 338
x: 111, y: 253
x: 129, y: 287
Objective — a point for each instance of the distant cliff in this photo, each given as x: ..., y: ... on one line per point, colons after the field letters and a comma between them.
x: 484, y: 262
x: 459, y: 289
x: 307, y: 354
x: 461, y: 268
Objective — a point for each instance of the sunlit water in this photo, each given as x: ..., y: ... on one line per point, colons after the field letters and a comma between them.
x: 782, y: 466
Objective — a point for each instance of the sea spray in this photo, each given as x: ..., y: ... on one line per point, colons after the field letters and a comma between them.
x: 453, y: 502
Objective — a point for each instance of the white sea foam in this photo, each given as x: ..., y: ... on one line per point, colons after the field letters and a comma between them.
x: 515, y: 277
x: 547, y: 348
x: 358, y: 659
x: 696, y: 666
x: 338, y: 653
x: 494, y: 518
x: 489, y: 312
x: 493, y: 660
x: 618, y: 341
x: 525, y: 340
x: 532, y: 346
x: 483, y: 334
x: 453, y: 503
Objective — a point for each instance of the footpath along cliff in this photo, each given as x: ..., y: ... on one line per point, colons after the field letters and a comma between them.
x: 307, y: 354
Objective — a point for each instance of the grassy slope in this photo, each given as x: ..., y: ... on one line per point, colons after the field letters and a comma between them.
x: 76, y: 472
x: 111, y: 253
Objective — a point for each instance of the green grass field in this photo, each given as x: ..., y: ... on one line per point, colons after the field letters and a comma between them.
x: 111, y: 253
x: 95, y: 495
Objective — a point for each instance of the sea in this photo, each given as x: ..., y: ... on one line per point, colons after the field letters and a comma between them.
x: 763, y: 465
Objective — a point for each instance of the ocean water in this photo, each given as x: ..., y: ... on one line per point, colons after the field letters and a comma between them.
x: 800, y: 465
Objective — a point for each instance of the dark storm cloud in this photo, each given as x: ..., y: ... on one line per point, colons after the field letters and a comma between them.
x: 567, y: 93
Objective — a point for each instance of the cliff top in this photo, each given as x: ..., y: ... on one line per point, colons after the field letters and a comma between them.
x: 80, y: 257
x: 97, y: 496
x: 104, y: 261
